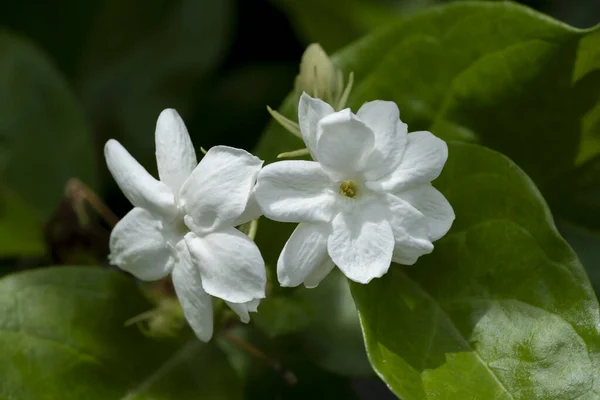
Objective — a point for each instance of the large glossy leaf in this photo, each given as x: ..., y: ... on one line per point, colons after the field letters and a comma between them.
x: 62, y: 336
x: 44, y: 142
x: 501, y: 309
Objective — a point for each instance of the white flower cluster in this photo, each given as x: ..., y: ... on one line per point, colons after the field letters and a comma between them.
x: 365, y: 201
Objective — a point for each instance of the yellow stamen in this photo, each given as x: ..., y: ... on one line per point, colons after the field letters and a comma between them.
x: 348, y: 189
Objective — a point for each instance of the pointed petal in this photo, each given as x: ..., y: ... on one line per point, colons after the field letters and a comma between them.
x: 217, y: 191
x: 175, y: 154
x: 295, y: 191
x: 230, y: 265
x: 138, y: 247
x: 422, y: 162
x: 310, y: 112
x: 411, y: 231
x: 304, y: 251
x: 243, y: 309
x: 140, y: 188
x: 195, y: 302
x: 383, y: 118
x: 361, y: 244
x: 319, y: 273
x: 434, y: 206
x: 343, y: 144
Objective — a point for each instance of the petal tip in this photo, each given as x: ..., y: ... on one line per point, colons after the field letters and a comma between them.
x: 111, y: 146
x: 168, y: 114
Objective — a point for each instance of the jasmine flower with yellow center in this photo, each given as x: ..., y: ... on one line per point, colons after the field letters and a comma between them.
x: 365, y: 201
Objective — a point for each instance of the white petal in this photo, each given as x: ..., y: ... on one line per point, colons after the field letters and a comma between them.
x: 343, y: 144
x: 383, y: 118
x: 433, y: 205
x: 251, y: 212
x: 361, y: 244
x: 422, y: 162
x: 230, y: 265
x: 140, y: 188
x: 319, y: 273
x: 304, y: 251
x: 411, y: 231
x: 310, y: 112
x: 217, y: 191
x: 175, y: 154
x: 242, y: 309
x: 195, y: 302
x: 138, y: 247
x: 295, y: 191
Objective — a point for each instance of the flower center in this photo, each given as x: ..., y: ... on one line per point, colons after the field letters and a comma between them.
x: 348, y: 189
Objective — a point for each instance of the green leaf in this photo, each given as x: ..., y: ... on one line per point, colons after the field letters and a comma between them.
x: 501, y: 309
x: 141, y: 60
x: 62, y: 336
x: 44, y: 142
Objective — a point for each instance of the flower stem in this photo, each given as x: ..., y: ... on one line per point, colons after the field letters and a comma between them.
x: 80, y: 193
x: 294, y: 153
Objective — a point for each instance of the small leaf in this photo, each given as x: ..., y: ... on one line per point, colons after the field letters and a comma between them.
x: 62, y: 336
x: 501, y: 309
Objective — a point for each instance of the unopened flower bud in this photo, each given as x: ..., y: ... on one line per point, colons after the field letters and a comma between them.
x: 317, y: 73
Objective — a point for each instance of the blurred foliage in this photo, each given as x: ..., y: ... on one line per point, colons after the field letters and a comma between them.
x: 64, y: 329
x: 45, y: 141
x: 139, y: 60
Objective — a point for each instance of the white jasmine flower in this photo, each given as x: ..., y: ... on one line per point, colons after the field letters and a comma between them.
x: 184, y: 224
x: 364, y: 202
